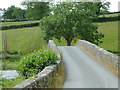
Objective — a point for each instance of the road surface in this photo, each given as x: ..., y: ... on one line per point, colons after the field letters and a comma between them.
x: 82, y: 71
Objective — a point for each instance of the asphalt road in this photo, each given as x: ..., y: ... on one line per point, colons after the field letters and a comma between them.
x: 82, y: 71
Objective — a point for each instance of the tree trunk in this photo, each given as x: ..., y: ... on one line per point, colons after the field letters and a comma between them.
x: 69, y: 42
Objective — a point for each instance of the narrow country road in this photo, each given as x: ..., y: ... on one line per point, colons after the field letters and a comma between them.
x: 82, y: 71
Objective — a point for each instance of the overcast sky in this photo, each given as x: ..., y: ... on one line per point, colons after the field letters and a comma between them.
x: 7, y: 3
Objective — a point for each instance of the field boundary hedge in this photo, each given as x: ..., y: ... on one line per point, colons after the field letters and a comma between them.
x: 100, y: 19
x: 19, y: 26
x: 107, y: 19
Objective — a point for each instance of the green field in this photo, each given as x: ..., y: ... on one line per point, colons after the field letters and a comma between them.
x: 110, y: 31
x: 19, y: 43
x: 110, y: 15
x: 19, y: 23
x: 24, y: 40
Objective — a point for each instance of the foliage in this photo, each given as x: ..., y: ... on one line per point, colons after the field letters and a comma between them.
x: 13, y: 13
x: 18, y: 13
x: 34, y: 62
x: 72, y: 20
x: 36, y: 10
x: 103, y: 7
x: 8, y: 12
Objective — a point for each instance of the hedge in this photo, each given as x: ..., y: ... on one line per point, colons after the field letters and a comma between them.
x: 106, y: 19
x: 19, y: 26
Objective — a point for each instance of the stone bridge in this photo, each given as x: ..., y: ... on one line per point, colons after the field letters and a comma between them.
x: 82, y: 70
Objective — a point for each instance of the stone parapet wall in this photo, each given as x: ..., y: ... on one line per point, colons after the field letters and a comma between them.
x: 45, y: 77
x: 107, y: 57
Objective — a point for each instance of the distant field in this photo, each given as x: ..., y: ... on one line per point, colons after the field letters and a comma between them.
x: 18, y: 23
x: 24, y: 40
x: 110, y: 15
x: 110, y: 30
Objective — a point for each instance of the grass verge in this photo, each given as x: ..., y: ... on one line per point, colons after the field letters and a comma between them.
x: 12, y: 82
x: 58, y: 80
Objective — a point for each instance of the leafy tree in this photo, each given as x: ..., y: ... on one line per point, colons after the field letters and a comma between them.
x: 72, y: 20
x: 36, y: 10
x: 13, y: 13
x: 3, y: 16
x: 102, y: 7
x: 18, y: 13
x: 8, y: 12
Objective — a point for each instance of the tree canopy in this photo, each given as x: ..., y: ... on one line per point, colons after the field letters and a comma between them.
x: 36, y: 10
x: 13, y: 13
x: 72, y: 20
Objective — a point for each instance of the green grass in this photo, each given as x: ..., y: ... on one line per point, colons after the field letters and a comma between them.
x: 12, y: 82
x: 110, y: 31
x: 24, y: 40
x: 11, y: 63
x: 18, y: 23
x: 19, y: 43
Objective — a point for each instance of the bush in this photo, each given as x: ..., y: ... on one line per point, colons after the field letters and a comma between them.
x: 35, y: 62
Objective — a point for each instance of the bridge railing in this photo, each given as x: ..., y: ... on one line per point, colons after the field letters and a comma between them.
x: 107, y: 57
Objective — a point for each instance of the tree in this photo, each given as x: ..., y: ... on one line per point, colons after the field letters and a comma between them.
x: 13, y: 13
x: 18, y: 13
x: 72, y: 20
x: 102, y: 7
x: 8, y: 12
x: 4, y: 16
x: 36, y: 10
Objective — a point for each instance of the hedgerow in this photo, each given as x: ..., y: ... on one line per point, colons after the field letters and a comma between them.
x: 35, y: 62
x: 19, y: 26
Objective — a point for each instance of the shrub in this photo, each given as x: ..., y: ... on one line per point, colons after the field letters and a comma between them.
x: 34, y: 62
